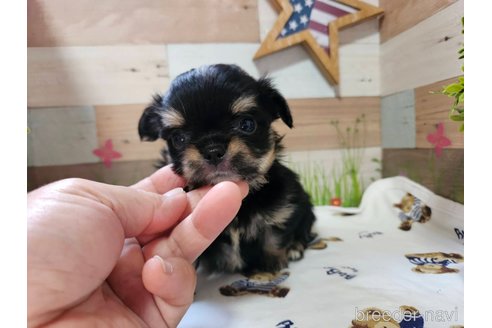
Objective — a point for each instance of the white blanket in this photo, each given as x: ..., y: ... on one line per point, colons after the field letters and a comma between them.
x: 377, y: 273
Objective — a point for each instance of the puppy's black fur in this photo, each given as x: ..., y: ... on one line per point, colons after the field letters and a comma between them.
x: 217, y: 123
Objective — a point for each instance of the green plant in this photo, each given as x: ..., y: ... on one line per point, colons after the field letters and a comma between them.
x: 350, y: 182
x: 344, y: 184
x: 457, y: 90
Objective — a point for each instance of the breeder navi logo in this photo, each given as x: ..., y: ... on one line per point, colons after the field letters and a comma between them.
x: 405, y: 317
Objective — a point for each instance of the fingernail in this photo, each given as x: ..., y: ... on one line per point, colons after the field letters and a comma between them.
x: 174, y: 192
x: 166, y: 266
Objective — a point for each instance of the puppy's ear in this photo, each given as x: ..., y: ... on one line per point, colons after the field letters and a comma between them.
x: 275, y: 102
x: 150, y: 124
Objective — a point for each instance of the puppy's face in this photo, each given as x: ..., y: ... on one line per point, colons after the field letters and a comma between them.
x: 217, y: 123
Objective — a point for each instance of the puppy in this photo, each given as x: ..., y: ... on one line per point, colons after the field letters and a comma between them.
x: 217, y: 123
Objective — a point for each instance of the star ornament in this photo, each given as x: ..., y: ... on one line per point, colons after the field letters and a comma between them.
x: 315, y: 24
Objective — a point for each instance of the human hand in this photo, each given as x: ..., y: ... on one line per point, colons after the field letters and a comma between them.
x: 120, y: 256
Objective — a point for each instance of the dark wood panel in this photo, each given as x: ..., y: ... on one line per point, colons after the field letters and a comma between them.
x: 443, y: 175
x: 120, y: 173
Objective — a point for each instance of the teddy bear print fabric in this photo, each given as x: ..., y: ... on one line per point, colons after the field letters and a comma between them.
x: 396, y: 261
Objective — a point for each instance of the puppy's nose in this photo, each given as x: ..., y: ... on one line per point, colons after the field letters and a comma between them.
x: 214, y: 154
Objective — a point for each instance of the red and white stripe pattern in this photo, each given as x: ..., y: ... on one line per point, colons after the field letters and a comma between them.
x: 324, y: 12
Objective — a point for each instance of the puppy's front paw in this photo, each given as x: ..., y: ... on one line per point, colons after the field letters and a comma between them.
x: 295, y: 252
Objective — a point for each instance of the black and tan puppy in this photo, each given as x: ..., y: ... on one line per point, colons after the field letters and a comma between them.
x: 217, y: 123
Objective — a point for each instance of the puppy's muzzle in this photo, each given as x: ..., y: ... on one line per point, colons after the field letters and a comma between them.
x: 214, y: 154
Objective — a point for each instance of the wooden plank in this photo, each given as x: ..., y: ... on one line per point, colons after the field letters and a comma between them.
x: 78, y: 76
x: 115, y: 22
x: 313, y: 118
x: 398, y: 120
x: 359, y: 70
x: 120, y: 124
x: 443, y: 175
x: 120, y: 173
x: 400, y: 15
x: 127, y: 173
x: 423, y: 54
x: 293, y: 70
x: 432, y: 109
x: 61, y: 136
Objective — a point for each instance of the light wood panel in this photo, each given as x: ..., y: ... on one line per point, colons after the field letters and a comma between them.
x: 120, y: 173
x: 359, y: 70
x: 61, y: 136
x: 313, y: 118
x: 78, y: 76
x: 423, y: 54
x: 443, y: 175
x: 398, y: 120
x: 293, y: 70
x: 112, y: 22
x: 120, y: 124
x: 400, y: 15
x: 432, y: 109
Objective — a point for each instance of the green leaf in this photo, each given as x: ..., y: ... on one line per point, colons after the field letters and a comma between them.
x: 453, y: 89
x: 457, y: 118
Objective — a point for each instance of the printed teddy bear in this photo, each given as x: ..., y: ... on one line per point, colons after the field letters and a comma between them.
x: 435, y: 263
x: 260, y: 283
x: 412, y: 210
x: 411, y: 317
x: 322, y: 243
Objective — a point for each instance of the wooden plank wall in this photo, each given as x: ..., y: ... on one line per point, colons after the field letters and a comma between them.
x: 419, y: 55
x: 94, y: 65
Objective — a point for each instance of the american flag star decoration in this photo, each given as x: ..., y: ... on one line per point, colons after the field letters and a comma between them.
x: 315, y: 24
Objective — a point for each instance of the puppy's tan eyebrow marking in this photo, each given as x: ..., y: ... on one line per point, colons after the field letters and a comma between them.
x: 243, y: 104
x: 171, y: 118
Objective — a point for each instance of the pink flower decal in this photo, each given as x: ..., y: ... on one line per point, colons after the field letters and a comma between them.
x: 106, y: 153
x: 438, y: 139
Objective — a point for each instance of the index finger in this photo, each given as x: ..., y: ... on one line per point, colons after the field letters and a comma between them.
x: 194, y: 197
x: 195, y: 233
x: 161, y: 181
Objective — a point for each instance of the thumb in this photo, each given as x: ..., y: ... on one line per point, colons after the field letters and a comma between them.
x: 172, y: 282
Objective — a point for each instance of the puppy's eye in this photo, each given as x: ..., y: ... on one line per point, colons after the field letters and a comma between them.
x: 179, y: 140
x: 247, y: 125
